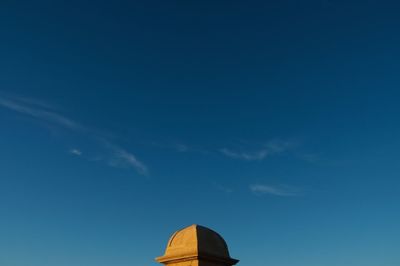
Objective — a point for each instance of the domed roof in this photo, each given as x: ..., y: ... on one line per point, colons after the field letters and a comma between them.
x: 196, y: 241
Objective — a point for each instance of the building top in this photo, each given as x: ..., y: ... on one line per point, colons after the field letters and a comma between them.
x: 196, y: 242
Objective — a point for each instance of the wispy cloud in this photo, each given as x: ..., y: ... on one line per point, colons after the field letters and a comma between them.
x: 39, y: 113
x: 282, y: 191
x: 245, y: 155
x: 270, y: 148
x: 34, y: 102
x: 181, y: 147
x: 122, y: 158
x: 114, y: 155
x: 75, y: 152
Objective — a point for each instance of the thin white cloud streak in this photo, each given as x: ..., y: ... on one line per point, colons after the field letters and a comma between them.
x: 247, y: 156
x: 120, y: 157
x: 259, y: 189
x: 35, y: 102
x: 40, y: 114
x: 181, y: 147
x: 75, y: 152
x: 117, y: 156
x: 270, y: 148
x: 131, y: 160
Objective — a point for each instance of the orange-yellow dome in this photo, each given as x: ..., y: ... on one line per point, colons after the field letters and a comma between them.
x: 196, y: 241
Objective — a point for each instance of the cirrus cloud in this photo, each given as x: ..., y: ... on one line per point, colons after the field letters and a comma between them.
x: 114, y: 155
x: 281, y: 191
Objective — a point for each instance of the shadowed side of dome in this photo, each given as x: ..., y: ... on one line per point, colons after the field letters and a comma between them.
x: 211, y: 243
x: 196, y: 243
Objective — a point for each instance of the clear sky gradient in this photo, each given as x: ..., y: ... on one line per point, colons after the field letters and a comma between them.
x: 276, y: 123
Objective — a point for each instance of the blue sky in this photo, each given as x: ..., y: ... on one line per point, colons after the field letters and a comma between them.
x: 276, y: 123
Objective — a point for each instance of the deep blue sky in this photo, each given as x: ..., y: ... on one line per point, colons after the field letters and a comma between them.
x: 276, y: 123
